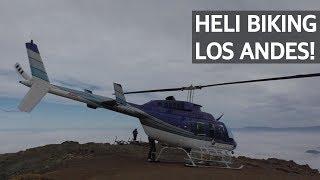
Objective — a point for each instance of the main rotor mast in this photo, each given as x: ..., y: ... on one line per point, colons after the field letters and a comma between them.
x: 190, y: 95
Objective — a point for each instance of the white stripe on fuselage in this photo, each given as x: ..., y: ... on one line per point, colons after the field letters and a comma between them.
x: 182, y: 141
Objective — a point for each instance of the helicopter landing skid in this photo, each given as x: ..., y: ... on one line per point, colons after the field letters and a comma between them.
x: 206, y: 157
x: 211, y: 157
x: 221, y: 167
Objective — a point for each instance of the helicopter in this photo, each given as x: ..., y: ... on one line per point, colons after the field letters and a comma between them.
x: 178, y: 124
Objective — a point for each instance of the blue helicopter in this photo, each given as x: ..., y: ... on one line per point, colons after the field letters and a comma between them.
x: 178, y: 124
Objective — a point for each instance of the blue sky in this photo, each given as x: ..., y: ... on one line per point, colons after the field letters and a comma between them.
x: 142, y: 45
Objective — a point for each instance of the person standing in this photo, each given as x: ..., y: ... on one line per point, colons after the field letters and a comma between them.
x: 152, y: 150
x: 135, y: 134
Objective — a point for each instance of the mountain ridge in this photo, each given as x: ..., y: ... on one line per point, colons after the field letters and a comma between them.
x: 265, y: 128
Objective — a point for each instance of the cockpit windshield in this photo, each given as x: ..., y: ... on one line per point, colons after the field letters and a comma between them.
x: 229, y: 132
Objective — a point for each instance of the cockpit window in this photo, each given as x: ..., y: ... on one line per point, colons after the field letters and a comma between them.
x: 229, y: 132
x: 220, y: 132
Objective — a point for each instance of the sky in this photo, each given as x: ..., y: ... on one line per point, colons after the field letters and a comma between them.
x: 142, y: 45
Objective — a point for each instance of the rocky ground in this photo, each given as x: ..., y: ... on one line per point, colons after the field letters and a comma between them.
x: 71, y: 160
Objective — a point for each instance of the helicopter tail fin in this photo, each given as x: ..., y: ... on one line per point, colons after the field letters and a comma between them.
x: 118, y: 91
x: 39, y: 83
x: 38, y: 70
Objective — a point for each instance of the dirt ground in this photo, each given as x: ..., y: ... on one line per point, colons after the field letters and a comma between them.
x: 71, y: 160
x: 114, y: 167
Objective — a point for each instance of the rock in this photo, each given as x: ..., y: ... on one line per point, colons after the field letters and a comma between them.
x: 70, y: 143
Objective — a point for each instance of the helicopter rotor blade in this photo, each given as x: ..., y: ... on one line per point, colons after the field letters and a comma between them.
x: 155, y: 90
x: 265, y: 79
x: 226, y: 83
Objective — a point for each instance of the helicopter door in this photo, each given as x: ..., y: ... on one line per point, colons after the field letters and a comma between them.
x: 211, y: 131
x: 200, y: 129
